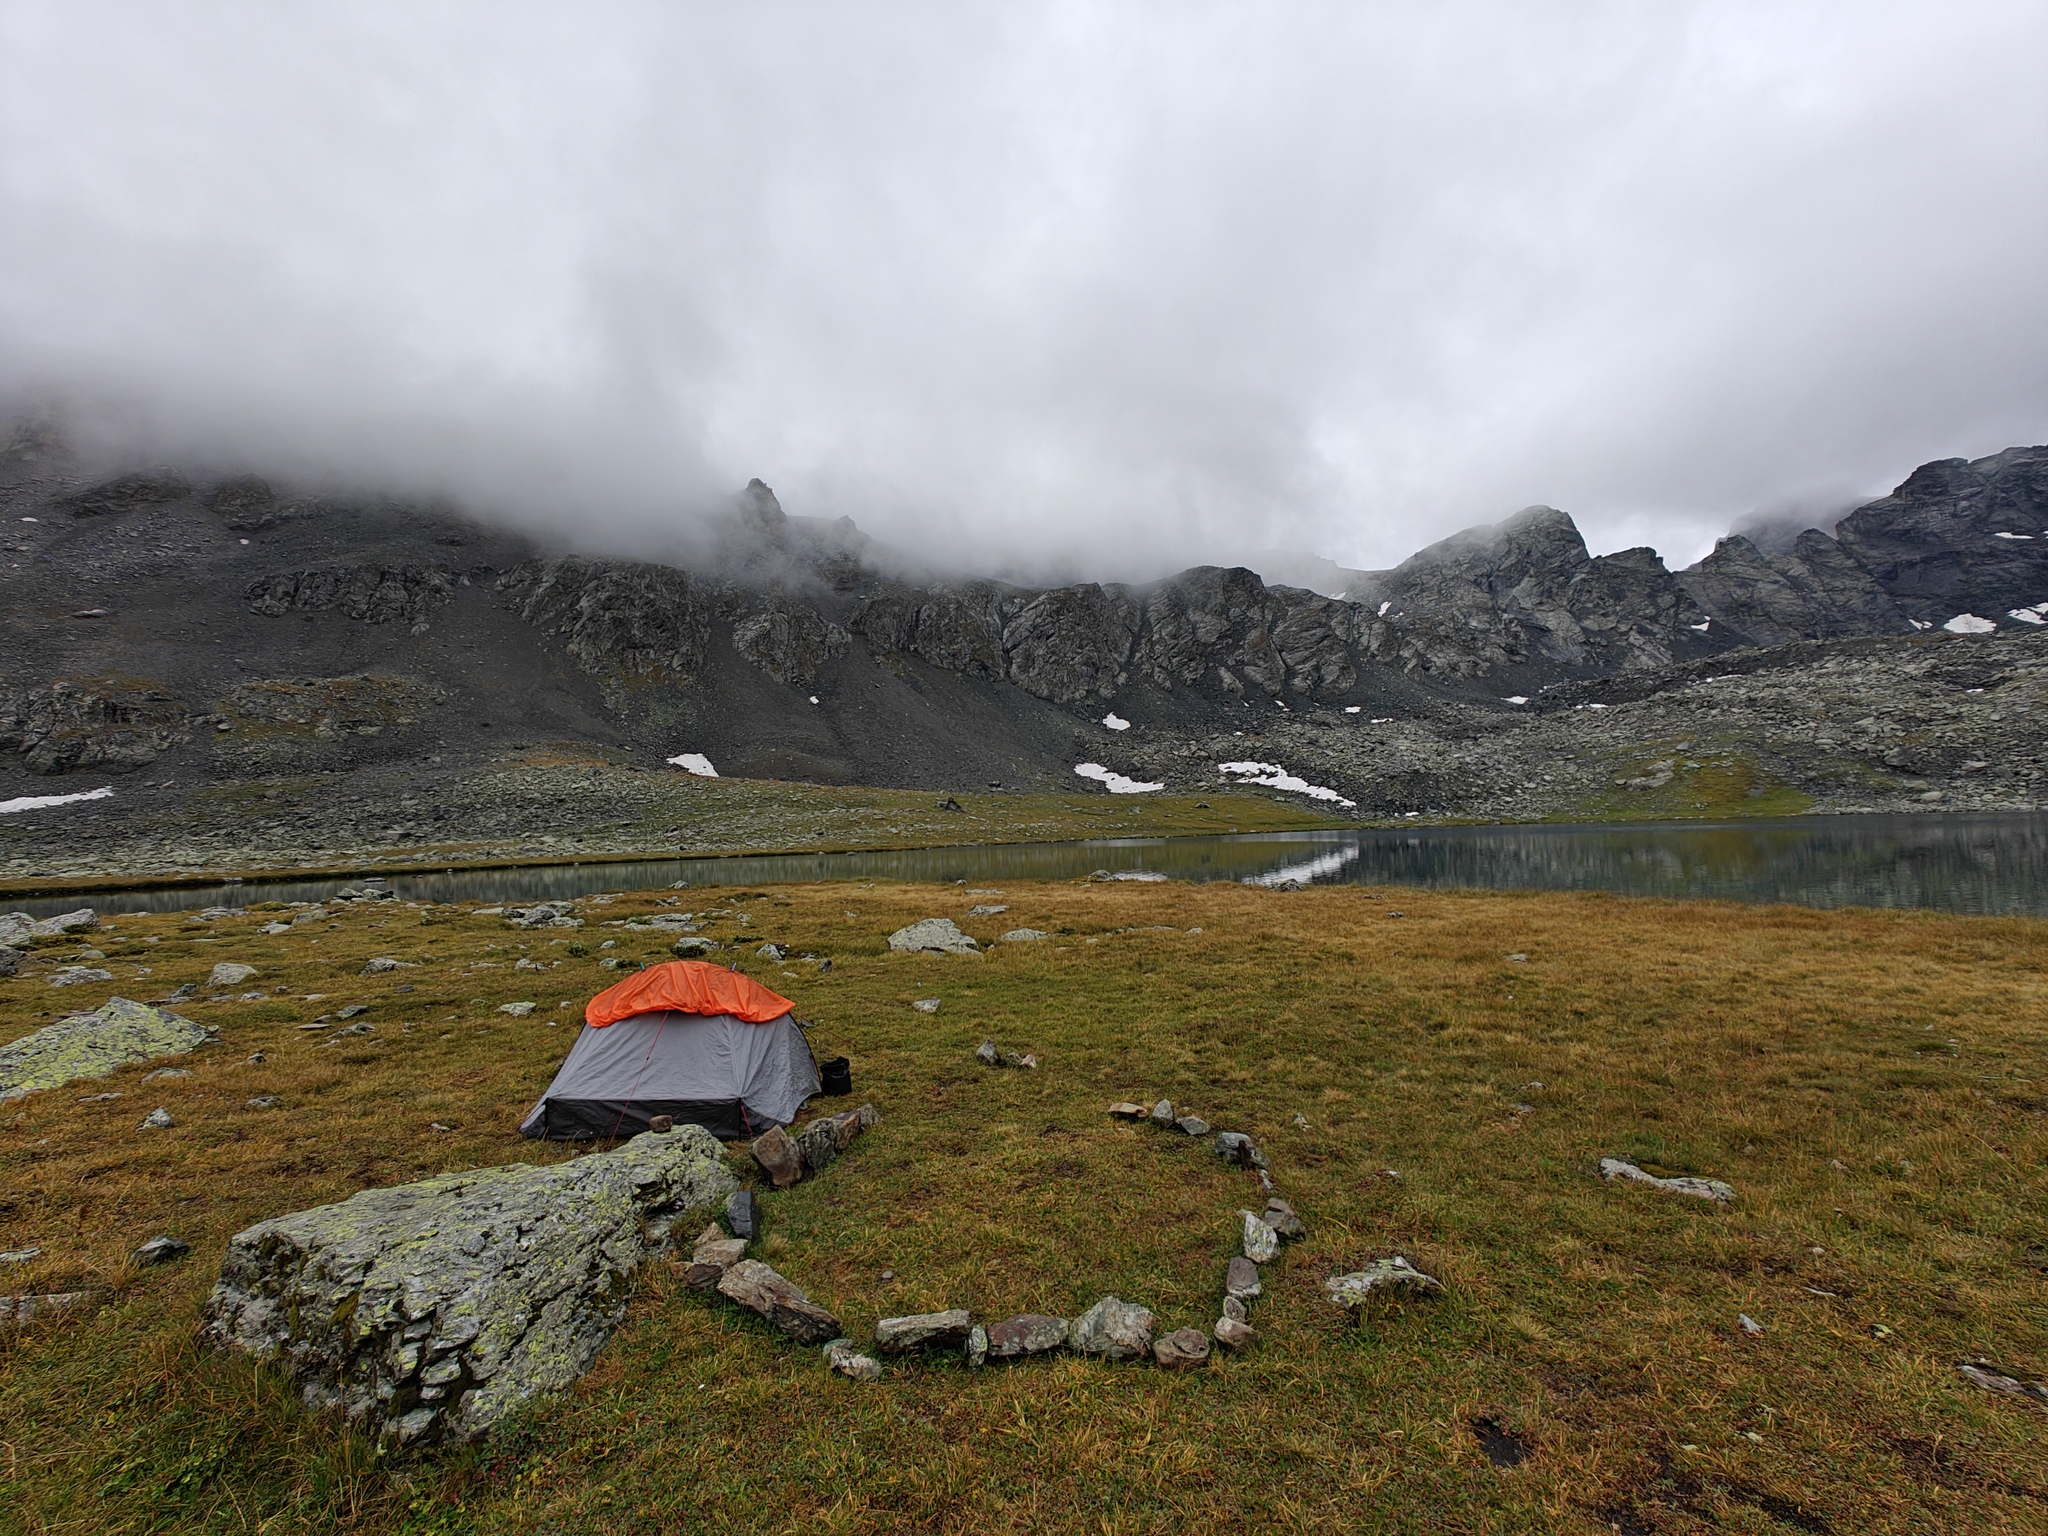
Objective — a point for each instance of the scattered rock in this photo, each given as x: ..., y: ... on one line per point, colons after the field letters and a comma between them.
x: 1024, y: 935
x: 661, y: 1125
x: 1184, y: 1349
x: 379, y: 966
x: 229, y: 973
x: 266, y: 1101
x: 1238, y: 1148
x: 817, y: 1144
x: 165, y: 1072
x: 987, y: 1054
x: 1748, y: 1324
x: 1395, y: 1276
x: 924, y: 1330
x: 20, y: 1309
x: 713, y: 1254
x: 1234, y: 1309
x: 1116, y: 1330
x: 429, y: 1311
x: 985, y: 910
x: 844, y: 1356
x: 692, y: 948
x: 161, y: 1250
x: 778, y: 1157
x: 743, y: 1214
x: 926, y: 1005
x: 1241, y: 1281
x: 350, y: 1010
x: 158, y: 1119
x: 1162, y: 1113
x: 517, y: 1010
x: 1028, y: 1333
x: 758, y: 1288
x: 1979, y: 1373
x: 10, y: 961
x: 16, y: 926
x: 1233, y: 1333
x: 100, y: 1098
x: 774, y: 952
x: 19, y: 1255
x: 937, y: 935
x: 977, y: 1348
x: 1127, y: 1111
x: 1704, y: 1189
x: 1261, y: 1242
x: 77, y: 975
x: 1026, y: 1061
x: 1279, y: 1215
x: 1192, y: 1125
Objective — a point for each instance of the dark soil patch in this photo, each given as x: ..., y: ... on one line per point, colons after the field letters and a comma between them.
x: 1503, y: 1447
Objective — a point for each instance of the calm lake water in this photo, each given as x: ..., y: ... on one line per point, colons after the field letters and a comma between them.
x: 1979, y: 864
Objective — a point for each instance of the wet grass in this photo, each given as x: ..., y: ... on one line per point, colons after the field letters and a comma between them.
x: 1591, y: 1327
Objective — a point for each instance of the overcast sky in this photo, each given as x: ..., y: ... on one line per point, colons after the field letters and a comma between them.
x: 1138, y: 285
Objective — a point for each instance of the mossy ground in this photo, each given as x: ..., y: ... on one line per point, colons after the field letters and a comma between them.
x: 1596, y: 1322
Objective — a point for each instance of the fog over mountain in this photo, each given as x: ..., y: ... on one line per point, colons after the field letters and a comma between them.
x: 1084, y: 289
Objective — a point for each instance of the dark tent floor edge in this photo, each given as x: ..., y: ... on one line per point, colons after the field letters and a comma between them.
x: 607, y: 1119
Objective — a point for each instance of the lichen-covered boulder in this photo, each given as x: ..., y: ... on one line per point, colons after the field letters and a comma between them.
x: 1116, y: 1330
x: 429, y: 1311
x: 93, y: 1045
x: 940, y: 935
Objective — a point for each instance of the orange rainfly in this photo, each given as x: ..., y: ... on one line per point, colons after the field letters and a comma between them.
x: 686, y: 986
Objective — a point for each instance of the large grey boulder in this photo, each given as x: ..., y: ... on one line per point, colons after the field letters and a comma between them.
x: 94, y: 1045
x: 17, y: 926
x: 937, y: 934
x: 429, y: 1311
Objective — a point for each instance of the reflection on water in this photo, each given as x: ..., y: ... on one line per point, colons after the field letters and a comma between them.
x: 1952, y: 863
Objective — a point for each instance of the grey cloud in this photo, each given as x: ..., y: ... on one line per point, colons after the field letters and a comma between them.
x: 1115, y: 287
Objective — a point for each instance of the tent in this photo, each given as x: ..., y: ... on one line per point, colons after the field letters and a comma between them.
x: 701, y: 1044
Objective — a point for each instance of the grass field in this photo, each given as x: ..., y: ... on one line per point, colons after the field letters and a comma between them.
x: 1595, y: 1322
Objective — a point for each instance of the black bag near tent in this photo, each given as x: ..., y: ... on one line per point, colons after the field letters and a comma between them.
x: 702, y: 1045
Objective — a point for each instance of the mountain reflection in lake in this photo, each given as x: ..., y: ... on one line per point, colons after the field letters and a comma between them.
x: 1996, y: 864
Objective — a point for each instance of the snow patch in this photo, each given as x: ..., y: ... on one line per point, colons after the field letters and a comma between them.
x: 1515, y: 698
x: 1273, y: 776
x: 1116, y: 782
x: 41, y: 802
x: 1969, y: 624
x: 1385, y: 606
x: 1920, y: 623
x: 2027, y: 536
x: 2038, y: 614
x: 1702, y: 626
x: 1352, y: 709
x: 814, y: 698
x: 695, y: 762
x: 1116, y: 722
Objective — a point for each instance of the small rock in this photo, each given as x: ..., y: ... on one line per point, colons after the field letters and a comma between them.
x: 1979, y: 1373
x: 20, y: 1309
x: 1028, y: 1333
x: 1234, y: 1309
x: 1838, y: 1165
x: 1392, y: 1175
x: 379, y: 966
x: 844, y: 1356
x: 900, y: 1335
x: 1238, y: 1148
x: 936, y: 935
x: 264, y: 1102
x: 983, y: 909
x: 1024, y: 935
x: 1241, y: 1282
x: 712, y: 1256
x: 1162, y: 1113
x: 350, y: 1010
x: 78, y: 975
x: 1393, y: 1276
x: 1704, y: 1189
x: 517, y: 1010
x: 1280, y: 1216
x: 760, y: 1289
x: 688, y: 949
x: 987, y: 1054
x: 158, y: 1119
x: 1300, y: 1121
x: 1127, y: 1111
x: 661, y: 1125
x: 926, y: 1005
x: 163, y: 1072
x: 229, y: 974
x: 773, y: 952
x: 161, y: 1250
x: 977, y: 1348
x: 817, y: 1144
x: 1261, y: 1242
x: 1748, y: 1324
x: 19, y: 1255
x: 441, y: 1126
x: 1116, y: 1330
x: 1233, y: 1333
x: 743, y: 1214
x: 778, y: 1157
x: 100, y: 1098
x: 1184, y: 1349
x: 1192, y: 1125
x: 255, y: 1059
x: 275, y: 928
x: 1027, y: 1061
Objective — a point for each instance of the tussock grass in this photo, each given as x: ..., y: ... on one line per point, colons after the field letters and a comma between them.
x: 1596, y: 1322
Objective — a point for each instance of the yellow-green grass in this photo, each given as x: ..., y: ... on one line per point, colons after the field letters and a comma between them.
x: 1597, y: 1321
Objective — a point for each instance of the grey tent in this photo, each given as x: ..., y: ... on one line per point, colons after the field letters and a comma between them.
x: 721, y: 1070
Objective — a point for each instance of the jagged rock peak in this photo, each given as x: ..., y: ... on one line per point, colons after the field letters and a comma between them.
x: 762, y: 512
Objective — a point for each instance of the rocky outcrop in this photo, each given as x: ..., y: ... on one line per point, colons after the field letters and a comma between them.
x: 957, y: 628
x: 330, y: 707
x: 788, y: 640
x: 374, y: 594
x: 110, y: 724
x: 94, y: 1045
x: 1526, y: 593
x: 129, y: 493
x: 1071, y: 643
x: 1230, y: 628
x: 619, y: 618
x: 1813, y: 591
x: 427, y: 1312
x: 1959, y: 536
